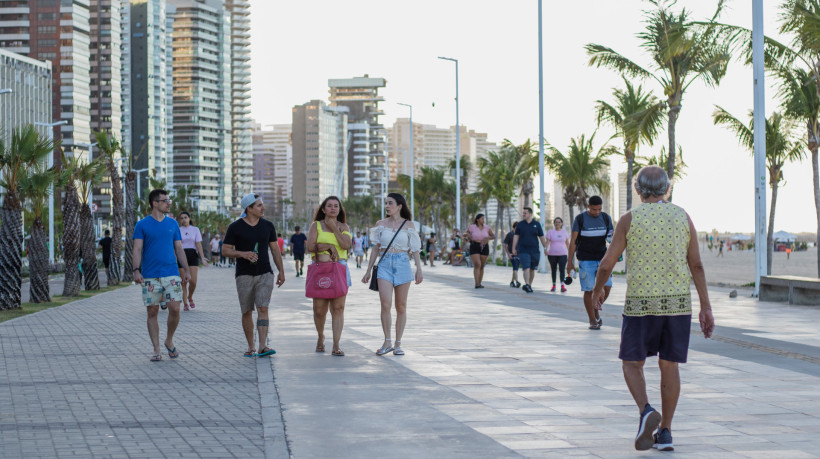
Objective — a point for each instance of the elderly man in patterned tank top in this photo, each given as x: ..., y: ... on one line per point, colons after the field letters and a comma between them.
x: 662, y: 256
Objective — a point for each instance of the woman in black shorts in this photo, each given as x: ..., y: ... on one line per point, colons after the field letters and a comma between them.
x: 192, y: 244
x: 479, y: 236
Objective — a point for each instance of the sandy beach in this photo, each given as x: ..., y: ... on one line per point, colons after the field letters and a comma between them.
x: 738, y: 268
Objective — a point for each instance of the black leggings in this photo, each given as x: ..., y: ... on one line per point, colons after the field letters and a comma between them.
x: 561, y: 262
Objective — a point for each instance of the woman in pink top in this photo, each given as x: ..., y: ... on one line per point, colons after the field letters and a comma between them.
x: 557, y: 247
x: 479, y: 236
x: 192, y: 244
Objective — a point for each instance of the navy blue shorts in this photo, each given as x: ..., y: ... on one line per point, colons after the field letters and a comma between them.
x: 515, y: 263
x: 529, y: 260
x: 664, y: 336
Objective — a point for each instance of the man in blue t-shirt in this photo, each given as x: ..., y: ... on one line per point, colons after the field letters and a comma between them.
x: 297, y: 244
x: 157, y: 250
x: 590, y: 232
x: 525, y: 246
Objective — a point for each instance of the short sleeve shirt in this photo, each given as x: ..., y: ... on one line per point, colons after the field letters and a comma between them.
x: 592, y: 234
x: 528, y: 234
x: 558, y: 242
x: 508, y: 240
x: 105, y: 243
x: 298, y: 242
x: 158, y: 237
x: 190, y: 236
x: 245, y: 238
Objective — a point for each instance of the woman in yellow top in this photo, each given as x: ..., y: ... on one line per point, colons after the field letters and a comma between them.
x: 329, y: 240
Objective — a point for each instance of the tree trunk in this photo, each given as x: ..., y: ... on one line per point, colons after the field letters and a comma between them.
x: 630, y: 160
x: 815, y: 168
x: 38, y: 263
x: 71, y: 241
x: 87, y: 248
x: 674, y: 111
x: 11, y: 244
x: 116, y: 233
x: 130, y: 222
x: 769, y: 236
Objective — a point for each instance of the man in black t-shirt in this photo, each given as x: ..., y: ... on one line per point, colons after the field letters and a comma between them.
x: 297, y: 244
x: 105, y: 245
x: 248, y: 240
x: 508, y: 247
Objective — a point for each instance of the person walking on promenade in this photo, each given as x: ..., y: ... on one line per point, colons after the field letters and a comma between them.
x: 431, y: 249
x: 192, y: 245
x: 329, y: 239
x: 358, y: 248
x: 557, y: 249
x: 105, y: 245
x: 215, y: 249
x: 479, y: 236
x: 508, y: 246
x: 720, y: 249
x: 248, y: 240
x: 525, y: 246
x: 590, y: 232
x: 297, y: 244
x: 157, y: 250
x: 400, y: 239
x: 662, y: 255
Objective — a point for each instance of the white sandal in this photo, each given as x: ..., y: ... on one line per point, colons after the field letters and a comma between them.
x: 398, y: 350
x: 384, y: 349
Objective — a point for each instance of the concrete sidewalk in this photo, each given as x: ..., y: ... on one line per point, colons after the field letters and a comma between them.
x: 493, y: 372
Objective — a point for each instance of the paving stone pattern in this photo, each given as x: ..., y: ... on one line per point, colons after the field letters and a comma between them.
x: 492, y: 372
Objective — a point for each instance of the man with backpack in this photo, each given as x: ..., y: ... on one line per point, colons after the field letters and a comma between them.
x: 591, y: 231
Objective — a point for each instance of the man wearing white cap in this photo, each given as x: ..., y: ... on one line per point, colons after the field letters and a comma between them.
x: 246, y: 240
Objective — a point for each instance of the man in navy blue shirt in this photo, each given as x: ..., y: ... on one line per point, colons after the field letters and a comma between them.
x: 297, y: 243
x: 525, y: 246
x: 157, y: 250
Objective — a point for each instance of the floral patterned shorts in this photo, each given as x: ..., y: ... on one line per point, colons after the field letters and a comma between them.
x: 161, y: 290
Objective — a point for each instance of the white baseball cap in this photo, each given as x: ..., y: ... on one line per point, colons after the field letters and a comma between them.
x: 249, y: 200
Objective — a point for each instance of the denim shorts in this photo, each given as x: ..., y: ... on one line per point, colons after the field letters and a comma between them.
x: 347, y: 268
x: 588, y: 270
x: 529, y: 260
x: 515, y: 263
x: 664, y: 336
x: 395, y: 268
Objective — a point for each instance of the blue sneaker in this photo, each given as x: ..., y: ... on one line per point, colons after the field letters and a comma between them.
x: 650, y: 419
x: 663, y: 440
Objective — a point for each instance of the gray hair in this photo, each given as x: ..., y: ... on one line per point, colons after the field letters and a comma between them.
x: 652, y: 181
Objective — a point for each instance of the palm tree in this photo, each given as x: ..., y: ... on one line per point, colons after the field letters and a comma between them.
x: 69, y: 171
x: 90, y: 174
x: 781, y: 147
x: 637, y: 117
x: 130, y: 215
x: 27, y: 149
x: 497, y: 180
x: 109, y: 148
x: 682, y: 52
x: 466, y: 171
x: 581, y: 170
x: 35, y: 186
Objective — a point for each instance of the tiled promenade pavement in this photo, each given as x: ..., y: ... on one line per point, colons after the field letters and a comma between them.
x: 488, y: 373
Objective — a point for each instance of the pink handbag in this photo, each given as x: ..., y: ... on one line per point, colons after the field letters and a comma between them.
x: 326, y: 280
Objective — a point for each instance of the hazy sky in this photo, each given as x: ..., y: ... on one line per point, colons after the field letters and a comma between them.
x: 297, y: 46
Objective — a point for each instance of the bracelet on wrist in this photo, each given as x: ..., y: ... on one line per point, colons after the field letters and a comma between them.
x: 136, y: 269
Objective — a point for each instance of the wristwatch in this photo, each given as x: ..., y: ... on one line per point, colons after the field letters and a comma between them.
x: 136, y: 269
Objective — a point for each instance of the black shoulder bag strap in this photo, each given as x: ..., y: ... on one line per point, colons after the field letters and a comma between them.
x: 391, y: 242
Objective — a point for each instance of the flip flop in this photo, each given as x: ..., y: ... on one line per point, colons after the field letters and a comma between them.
x: 266, y: 352
x: 338, y: 353
x: 156, y: 358
x: 191, y: 302
x: 172, y: 352
x: 596, y: 326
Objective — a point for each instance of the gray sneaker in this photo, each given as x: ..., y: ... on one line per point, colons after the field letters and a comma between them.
x: 650, y: 419
x: 663, y: 440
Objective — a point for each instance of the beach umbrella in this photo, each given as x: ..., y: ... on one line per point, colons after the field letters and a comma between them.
x: 784, y: 236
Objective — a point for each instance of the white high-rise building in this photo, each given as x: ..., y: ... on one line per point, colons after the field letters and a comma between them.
x: 241, y: 123
x: 29, y: 101
x: 273, y: 167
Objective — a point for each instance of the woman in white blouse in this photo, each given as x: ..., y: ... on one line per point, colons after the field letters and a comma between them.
x: 394, y: 273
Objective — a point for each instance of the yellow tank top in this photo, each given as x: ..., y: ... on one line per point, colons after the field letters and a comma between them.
x: 657, y: 276
x: 327, y: 237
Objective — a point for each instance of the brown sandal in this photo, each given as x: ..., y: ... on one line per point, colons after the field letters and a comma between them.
x: 338, y: 353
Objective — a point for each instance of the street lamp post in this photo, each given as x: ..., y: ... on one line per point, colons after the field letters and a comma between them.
x: 458, y: 150
x: 761, y: 242
x: 412, y: 166
x: 139, y: 186
x: 542, y: 205
x: 50, y: 127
